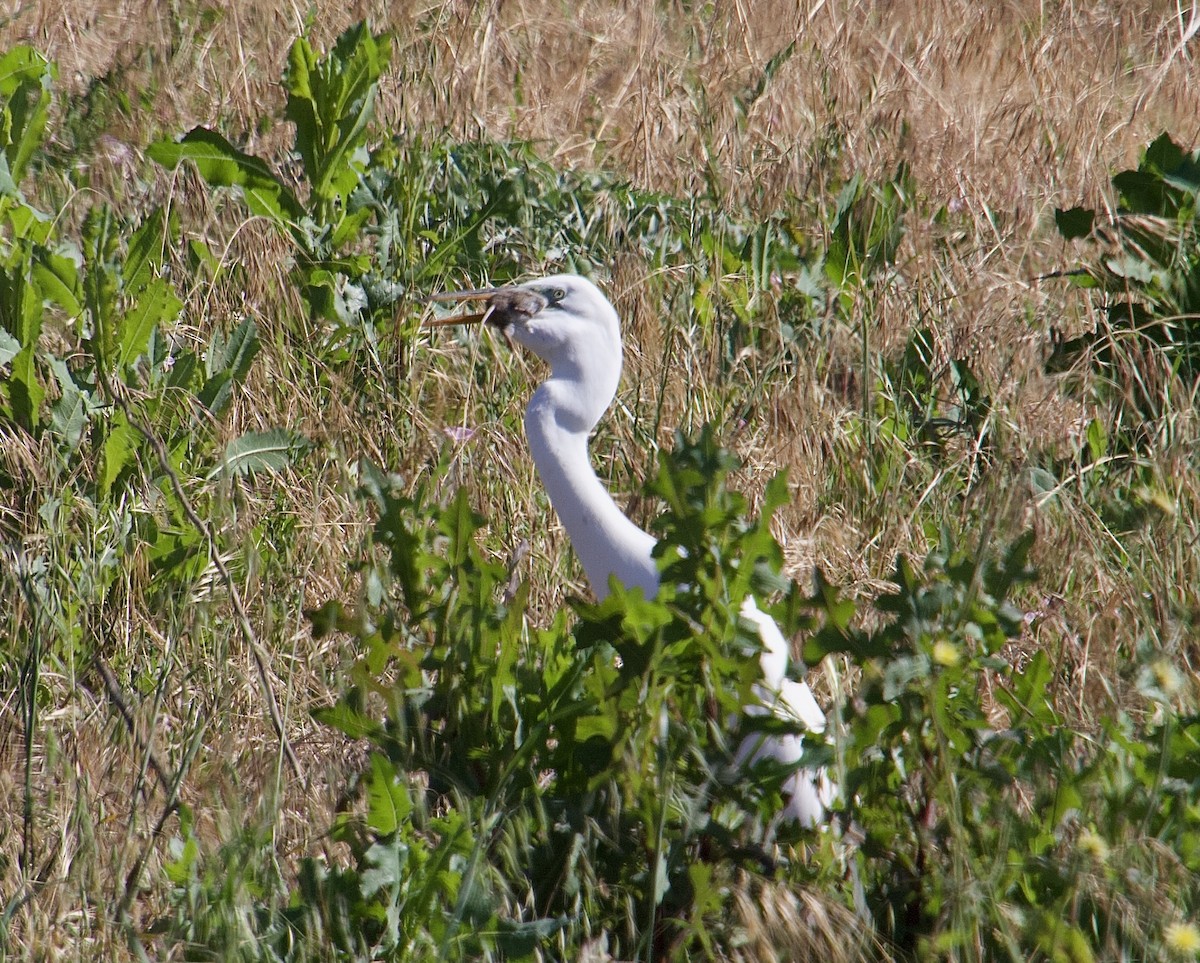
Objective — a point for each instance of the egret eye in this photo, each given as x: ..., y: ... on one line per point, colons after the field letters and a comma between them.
x: 558, y: 294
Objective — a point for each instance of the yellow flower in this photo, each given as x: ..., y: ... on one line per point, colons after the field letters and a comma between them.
x: 1167, y: 677
x: 1183, y: 939
x: 945, y: 653
x: 1093, y: 845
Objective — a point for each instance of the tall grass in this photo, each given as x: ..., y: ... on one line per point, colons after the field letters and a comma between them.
x: 167, y: 793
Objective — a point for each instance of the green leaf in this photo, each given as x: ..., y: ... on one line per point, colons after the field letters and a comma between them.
x: 240, y: 350
x: 1097, y: 439
x: 388, y: 802
x: 18, y: 66
x: 25, y: 391
x: 57, y: 278
x: 257, y: 451
x: 1075, y: 222
x: 1042, y: 482
x: 228, y: 362
x: 10, y: 347
x: 120, y: 445
x: 331, y: 101
x: 70, y: 413
x: 223, y: 165
x: 156, y: 304
x: 216, y: 393
x: 100, y: 293
x: 384, y: 866
x: 26, y: 78
x: 519, y: 940
x: 148, y: 248
x: 347, y: 720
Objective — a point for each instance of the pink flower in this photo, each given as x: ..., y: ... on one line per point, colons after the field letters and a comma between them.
x: 460, y: 435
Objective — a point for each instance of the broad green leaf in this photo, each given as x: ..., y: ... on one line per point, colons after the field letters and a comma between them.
x: 70, y: 413
x: 148, y: 249
x: 200, y: 255
x: 388, y: 803
x: 1041, y: 481
x: 28, y: 223
x: 24, y: 390
x: 347, y: 720
x: 239, y: 351
x: 216, y: 392
x: 1075, y: 222
x: 26, y: 78
x: 384, y: 866
x: 8, y: 186
x: 18, y: 66
x: 156, y: 304
x: 10, y: 347
x: 57, y: 278
x: 223, y: 165
x: 120, y: 445
x: 227, y: 363
x: 331, y: 101
x: 259, y: 451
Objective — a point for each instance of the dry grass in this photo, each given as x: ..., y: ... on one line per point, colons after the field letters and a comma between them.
x: 1003, y: 111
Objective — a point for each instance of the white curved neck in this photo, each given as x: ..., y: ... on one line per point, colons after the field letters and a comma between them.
x: 606, y: 542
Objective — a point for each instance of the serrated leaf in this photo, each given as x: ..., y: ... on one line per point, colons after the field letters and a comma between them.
x: 156, y: 304
x: 331, y: 101
x: 226, y: 363
x: 347, y: 720
x: 148, y: 249
x: 216, y: 392
x: 120, y: 444
x: 68, y: 418
x: 385, y: 866
x: 240, y: 350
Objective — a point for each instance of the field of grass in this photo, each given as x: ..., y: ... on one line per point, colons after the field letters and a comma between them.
x: 272, y: 691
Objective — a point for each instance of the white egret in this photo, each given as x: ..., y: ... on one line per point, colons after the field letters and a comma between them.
x: 569, y: 323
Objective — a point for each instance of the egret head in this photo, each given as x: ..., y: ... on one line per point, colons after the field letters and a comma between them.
x: 563, y: 319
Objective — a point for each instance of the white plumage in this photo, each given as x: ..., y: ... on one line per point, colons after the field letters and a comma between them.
x: 569, y: 323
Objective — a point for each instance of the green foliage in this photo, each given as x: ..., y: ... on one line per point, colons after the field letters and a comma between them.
x: 330, y: 102
x: 922, y: 405
x: 548, y: 791
x: 1147, y: 264
x: 109, y: 286
x: 594, y: 763
x: 867, y: 229
x: 26, y: 79
x: 990, y: 829
x: 537, y: 789
x: 116, y: 414
x: 209, y: 898
x: 378, y: 225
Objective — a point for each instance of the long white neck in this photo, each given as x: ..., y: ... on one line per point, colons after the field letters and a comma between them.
x: 606, y: 542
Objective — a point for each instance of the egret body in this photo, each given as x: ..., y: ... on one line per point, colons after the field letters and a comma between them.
x: 570, y: 324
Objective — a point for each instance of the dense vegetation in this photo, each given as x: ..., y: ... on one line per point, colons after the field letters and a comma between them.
x: 296, y: 674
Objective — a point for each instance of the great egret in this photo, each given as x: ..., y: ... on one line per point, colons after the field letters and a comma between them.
x: 566, y: 321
